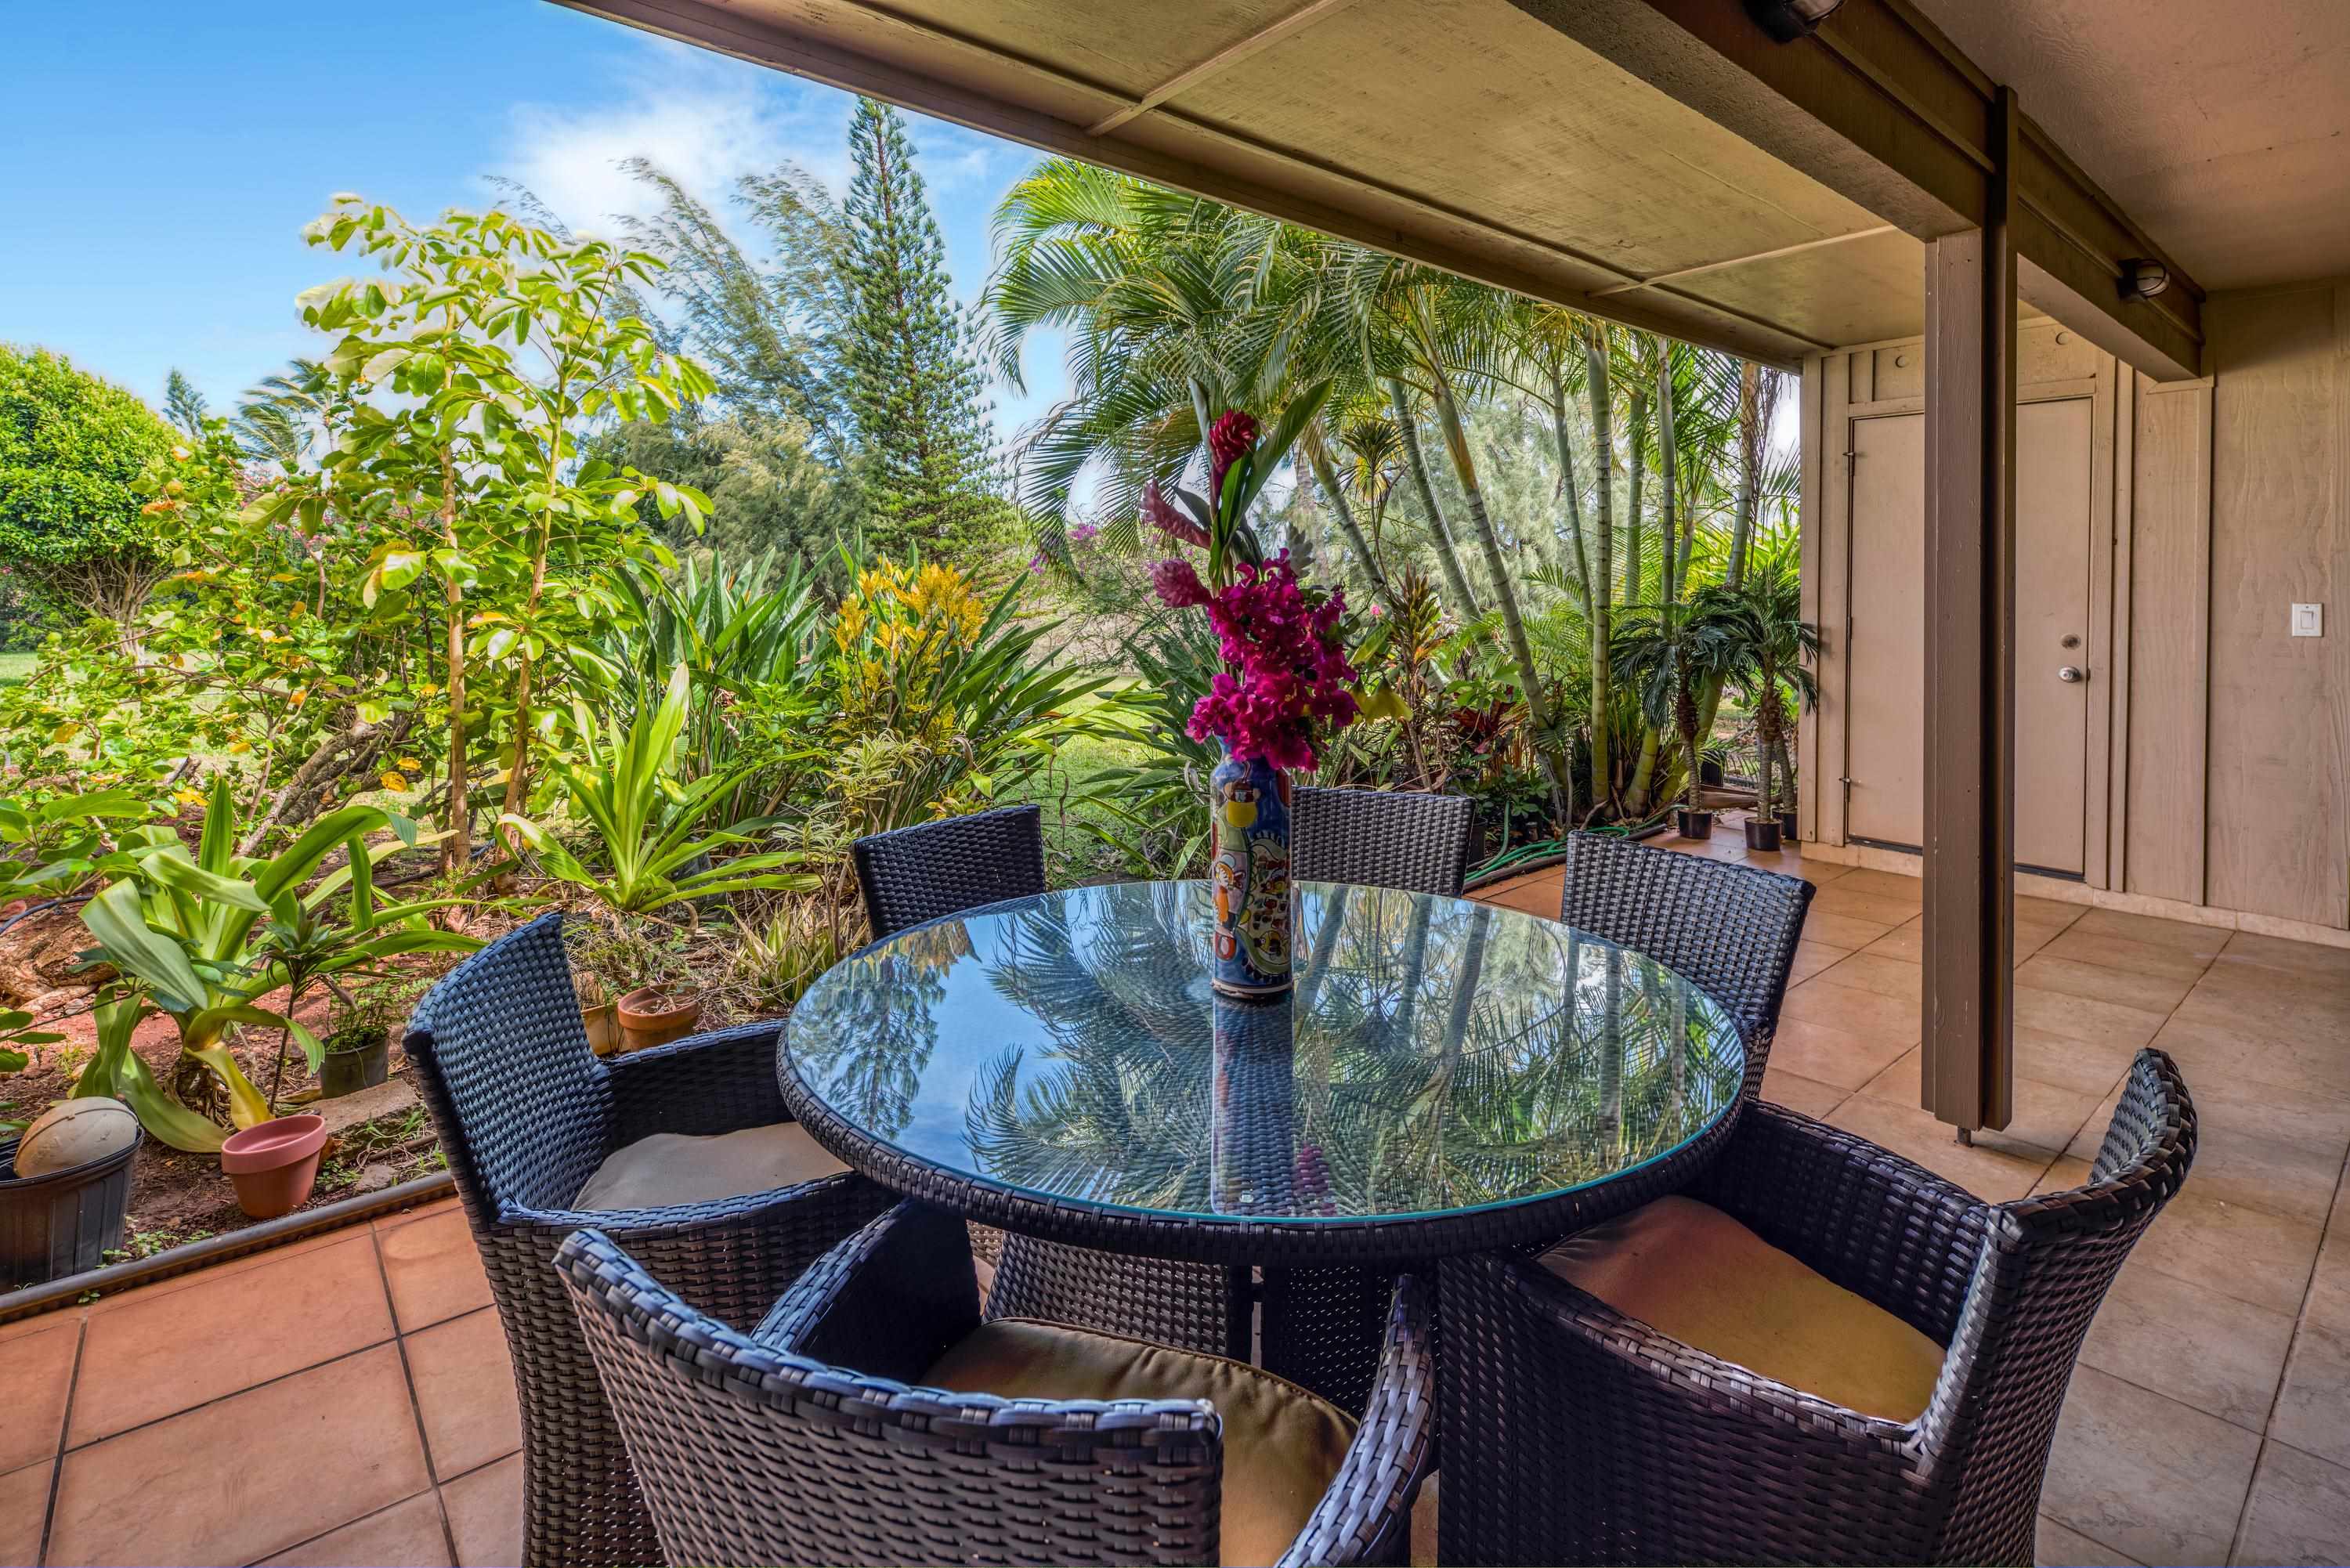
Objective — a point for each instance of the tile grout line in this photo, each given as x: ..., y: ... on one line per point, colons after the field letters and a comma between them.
x: 65, y: 1425
x: 2300, y: 1322
x: 362, y: 1519
x: 408, y: 1378
x: 357, y: 1350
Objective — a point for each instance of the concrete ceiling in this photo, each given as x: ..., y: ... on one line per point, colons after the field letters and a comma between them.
x: 2223, y: 128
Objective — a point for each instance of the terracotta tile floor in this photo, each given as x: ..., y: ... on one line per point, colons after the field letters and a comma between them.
x: 347, y: 1400
x: 2209, y: 1421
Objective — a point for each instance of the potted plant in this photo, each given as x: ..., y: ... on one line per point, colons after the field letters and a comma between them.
x: 358, y: 1048
x: 1666, y: 653
x: 64, y: 1185
x: 598, y: 1013
x: 1773, y: 643
x: 655, y: 1014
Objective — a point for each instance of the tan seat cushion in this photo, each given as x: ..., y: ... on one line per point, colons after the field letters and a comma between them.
x: 1283, y: 1446
x: 1691, y: 1271
x: 670, y: 1168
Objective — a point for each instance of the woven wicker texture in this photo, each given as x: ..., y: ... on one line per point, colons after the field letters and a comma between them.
x: 526, y: 1112
x: 1573, y: 1433
x: 1730, y: 929
x: 1381, y: 838
x: 917, y: 873
x: 808, y: 1442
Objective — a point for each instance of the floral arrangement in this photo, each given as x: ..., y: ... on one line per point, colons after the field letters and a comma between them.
x: 1285, y: 672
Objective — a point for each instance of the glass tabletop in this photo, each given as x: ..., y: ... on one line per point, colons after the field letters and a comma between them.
x: 1435, y: 1055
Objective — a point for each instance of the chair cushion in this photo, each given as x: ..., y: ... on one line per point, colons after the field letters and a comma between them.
x: 1691, y: 1271
x: 1283, y: 1446
x: 667, y: 1169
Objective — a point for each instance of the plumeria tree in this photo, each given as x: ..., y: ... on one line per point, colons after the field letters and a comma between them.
x: 474, y: 366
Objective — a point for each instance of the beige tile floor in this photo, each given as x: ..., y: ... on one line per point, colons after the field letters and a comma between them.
x: 347, y: 1400
x: 2210, y: 1419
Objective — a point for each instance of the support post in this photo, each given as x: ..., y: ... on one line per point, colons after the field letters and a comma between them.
x: 1969, y: 995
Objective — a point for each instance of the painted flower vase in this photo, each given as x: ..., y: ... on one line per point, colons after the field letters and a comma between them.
x: 1248, y: 810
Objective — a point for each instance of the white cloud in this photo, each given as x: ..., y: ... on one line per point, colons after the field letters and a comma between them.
x: 702, y: 118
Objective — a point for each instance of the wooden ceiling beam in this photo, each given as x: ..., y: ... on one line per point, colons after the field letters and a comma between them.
x: 1880, y: 106
x: 1223, y: 59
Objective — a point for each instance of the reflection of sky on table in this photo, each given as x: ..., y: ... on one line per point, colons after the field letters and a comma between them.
x: 1435, y: 1055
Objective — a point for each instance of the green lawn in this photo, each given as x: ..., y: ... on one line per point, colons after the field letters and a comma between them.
x: 14, y: 667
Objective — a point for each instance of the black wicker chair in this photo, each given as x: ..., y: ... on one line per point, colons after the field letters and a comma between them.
x: 1381, y: 838
x: 1575, y: 1432
x: 915, y: 874
x: 527, y: 1115
x: 1730, y: 929
x: 768, y: 1449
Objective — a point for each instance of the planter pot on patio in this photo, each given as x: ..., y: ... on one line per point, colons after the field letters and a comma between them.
x: 1694, y: 823
x: 1787, y: 825
x: 355, y: 1060
x: 651, y: 1017
x: 1761, y: 835
x: 276, y: 1163
x: 62, y: 1221
x: 603, y: 1025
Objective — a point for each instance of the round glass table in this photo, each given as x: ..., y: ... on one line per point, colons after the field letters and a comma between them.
x: 1445, y: 1076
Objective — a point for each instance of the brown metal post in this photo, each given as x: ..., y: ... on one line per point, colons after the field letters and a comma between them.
x: 1969, y: 994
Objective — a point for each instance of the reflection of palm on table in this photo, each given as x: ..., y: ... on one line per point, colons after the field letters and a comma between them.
x: 1446, y: 1077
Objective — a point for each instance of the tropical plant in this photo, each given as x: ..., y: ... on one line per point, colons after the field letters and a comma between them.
x: 659, y: 834
x: 71, y: 527
x: 938, y: 700
x: 1666, y: 653
x: 1773, y: 644
x: 777, y: 959
x: 185, y: 931
x: 498, y: 344
x: 51, y: 847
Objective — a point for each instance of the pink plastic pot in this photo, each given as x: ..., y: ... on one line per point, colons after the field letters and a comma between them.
x: 275, y: 1165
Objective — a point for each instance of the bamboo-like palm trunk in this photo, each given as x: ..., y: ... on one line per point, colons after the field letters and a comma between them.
x: 1573, y: 491
x: 1750, y: 437
x: 1668, y: 576
x: 1514, y: 625
x: 1603, y: 575
x: 1636, y: 436
x: 1318, y: 457
x: 1456, y: 582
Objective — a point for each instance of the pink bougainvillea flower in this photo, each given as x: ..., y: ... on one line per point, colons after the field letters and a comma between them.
x: 1170, y: 519
x: 1083, y: 534
x: 1375, y: 611
x: 1177, y: 584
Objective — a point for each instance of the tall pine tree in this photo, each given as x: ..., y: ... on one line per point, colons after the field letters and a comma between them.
x: 915, y: 389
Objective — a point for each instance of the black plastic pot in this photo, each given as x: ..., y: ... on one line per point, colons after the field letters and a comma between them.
x: 349, y: 1070
x: 1762, y: 835
x: 64, y: 1222
x: 1694, y: 823
x: 1787, y: 825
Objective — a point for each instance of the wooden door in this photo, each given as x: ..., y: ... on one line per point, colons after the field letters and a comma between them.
x: 1885, y: 648
x: 2051, y: 634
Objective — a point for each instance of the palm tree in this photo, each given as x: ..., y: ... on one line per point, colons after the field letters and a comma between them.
x: 280, y: 420
x: 1668, y: 651
x: 1772, y: 643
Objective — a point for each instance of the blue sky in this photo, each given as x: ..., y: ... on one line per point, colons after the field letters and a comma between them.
x: 159, y: 160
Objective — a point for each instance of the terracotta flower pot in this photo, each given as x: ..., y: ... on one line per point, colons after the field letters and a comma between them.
x: 649, y: 1017
x: 276, y: 1163
x: 603, y: 1025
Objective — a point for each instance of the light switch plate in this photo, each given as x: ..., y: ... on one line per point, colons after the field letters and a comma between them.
x: 2309, y: 620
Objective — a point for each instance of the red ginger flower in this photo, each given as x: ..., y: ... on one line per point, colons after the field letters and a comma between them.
x: 1170, y: 519
x: 1229, y: 438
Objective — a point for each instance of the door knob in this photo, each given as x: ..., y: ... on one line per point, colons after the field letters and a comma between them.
x: 2071, y: 673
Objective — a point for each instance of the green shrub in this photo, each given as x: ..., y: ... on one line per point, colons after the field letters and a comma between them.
x: 71, y: 448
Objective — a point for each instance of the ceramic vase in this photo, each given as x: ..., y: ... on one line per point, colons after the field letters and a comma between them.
x: 1248, y: 810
